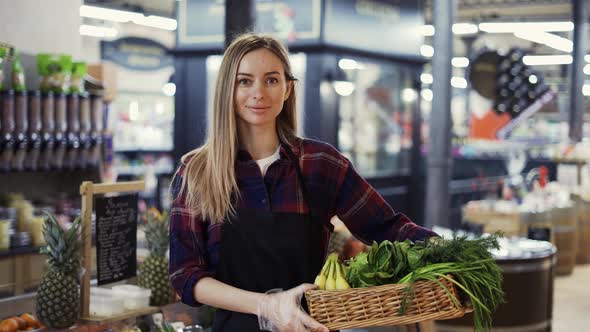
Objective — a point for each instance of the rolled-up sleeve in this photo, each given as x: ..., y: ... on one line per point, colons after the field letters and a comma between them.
x: 367, y: 215
x: 188, y: 249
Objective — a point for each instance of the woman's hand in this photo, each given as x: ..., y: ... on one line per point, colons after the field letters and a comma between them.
x: 280, y: 311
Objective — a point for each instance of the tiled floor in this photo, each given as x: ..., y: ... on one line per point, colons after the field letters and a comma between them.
x: 571, y: 302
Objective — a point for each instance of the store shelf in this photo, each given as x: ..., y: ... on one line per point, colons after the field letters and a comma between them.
x: 134, y: 151
x: 141, y: 170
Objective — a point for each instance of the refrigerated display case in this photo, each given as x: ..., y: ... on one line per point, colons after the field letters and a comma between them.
x: 376, y: 102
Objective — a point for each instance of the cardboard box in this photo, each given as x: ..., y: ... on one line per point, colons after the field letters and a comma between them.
x: 106, y: 73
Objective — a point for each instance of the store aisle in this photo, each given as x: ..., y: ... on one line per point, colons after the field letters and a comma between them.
x: 571, y: 306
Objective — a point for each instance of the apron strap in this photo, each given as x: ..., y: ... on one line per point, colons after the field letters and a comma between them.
x: 304, y: 190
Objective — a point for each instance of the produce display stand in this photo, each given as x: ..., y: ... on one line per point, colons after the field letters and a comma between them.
x: 87, y: 190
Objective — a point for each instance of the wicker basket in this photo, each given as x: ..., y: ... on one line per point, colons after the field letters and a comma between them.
x: 379, y: 305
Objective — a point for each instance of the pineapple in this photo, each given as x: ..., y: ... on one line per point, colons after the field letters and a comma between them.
x: 58, y: 297
x: 153, y: 273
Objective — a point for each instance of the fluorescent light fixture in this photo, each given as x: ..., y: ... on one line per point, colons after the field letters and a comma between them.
x: 427, y: 51
x: 426, y: 78
x: 533, y: 79
x: 123, y: 16
x: 586, y: 90
x: 100, y: 32
x: 169, y: 89
x: 347, y: 64
x: 426, y: 94
x: 587, y: 58
x: 458, y: 29
x: 464, y: 28
x: 459, y: 82
x: 460, y: 62
x: 158, y: 22
x: 546, y: 60
x: 409, y: 95
x: 511, y: 27
x: 427, y: 30
x: 545, y: 38
x: 587, y: 69
x: 343, y: 88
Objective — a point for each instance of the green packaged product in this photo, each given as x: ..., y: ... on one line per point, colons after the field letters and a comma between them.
x: 55, y: 72
x: 78, y: 72
x: 18, y: 75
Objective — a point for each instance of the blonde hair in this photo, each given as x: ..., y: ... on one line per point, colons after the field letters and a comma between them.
x: 209, y: 180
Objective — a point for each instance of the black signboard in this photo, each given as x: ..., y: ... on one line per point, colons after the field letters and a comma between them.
x: 116, y: 238
x: 136, y: 53
x: 390, y: 27
x: 539, y: 233
x: 201, y: 22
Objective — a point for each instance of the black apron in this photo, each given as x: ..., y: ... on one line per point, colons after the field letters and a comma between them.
x: 261, y: 251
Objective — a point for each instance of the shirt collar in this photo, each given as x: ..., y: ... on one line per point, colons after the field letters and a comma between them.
x: 244, y: 155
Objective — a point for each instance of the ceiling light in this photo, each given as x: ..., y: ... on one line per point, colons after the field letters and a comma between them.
x: 586, y: 90
x: 427, y: 30
x: 460, y: 62
x: 533, y: 79
x: 427, y: 51
x: 100, y: 32
x: 426, y: 78
x: 169, y: 89
x: 459, y: 82
x: 587, y: 69
x: 587, y: 58
x: 511, y: 27
x: 464, y: 28
x: 123, y: 16
x: 545, y: 60
x: 343, y: 88
x: 347, y: 64
x: 426, y: 94
x: 409, y: 95
x: 458, y: 29
x: 548, y: 39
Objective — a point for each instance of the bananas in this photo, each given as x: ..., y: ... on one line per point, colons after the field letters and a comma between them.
x: 332, y: 275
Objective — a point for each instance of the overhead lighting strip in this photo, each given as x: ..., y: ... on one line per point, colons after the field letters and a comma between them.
x: 122, y: 16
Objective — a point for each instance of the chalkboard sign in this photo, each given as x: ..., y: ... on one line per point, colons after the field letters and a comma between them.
x: 116, y: 238
x: 539, y: 233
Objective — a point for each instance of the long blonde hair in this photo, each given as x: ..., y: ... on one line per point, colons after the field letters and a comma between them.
x: 209, y: 181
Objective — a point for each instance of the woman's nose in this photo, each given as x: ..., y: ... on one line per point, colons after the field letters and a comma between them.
x: 258, y: 91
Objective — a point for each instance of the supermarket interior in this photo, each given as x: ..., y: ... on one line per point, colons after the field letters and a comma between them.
x: 470, y: 117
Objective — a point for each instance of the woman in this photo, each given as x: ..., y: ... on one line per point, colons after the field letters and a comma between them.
x: 250, y: 220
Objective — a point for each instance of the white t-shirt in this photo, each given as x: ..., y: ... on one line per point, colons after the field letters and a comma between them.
x: 265, y: 162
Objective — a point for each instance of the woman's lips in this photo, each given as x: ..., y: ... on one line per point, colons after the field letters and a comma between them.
x: 259, y: 109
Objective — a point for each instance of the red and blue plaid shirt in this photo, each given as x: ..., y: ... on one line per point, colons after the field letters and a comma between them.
x: 335, y: 188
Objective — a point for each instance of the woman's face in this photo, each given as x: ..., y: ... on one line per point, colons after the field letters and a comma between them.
x: 261, y: 88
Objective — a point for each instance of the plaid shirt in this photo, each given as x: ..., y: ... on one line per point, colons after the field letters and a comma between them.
x: 335, y: 188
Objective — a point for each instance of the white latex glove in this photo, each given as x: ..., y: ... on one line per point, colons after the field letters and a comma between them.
x: 280, y: 311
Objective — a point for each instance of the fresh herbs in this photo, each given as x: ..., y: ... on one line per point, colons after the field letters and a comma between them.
x: 469, y: 261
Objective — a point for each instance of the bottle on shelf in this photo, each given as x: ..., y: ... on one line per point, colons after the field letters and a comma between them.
x: 21, y: 128
x: 61, y: 127
x: 96, y: 131
x: 7, y: 127
x: 85, y: 128
x: 34, y: 131
x: 47, y: 131
x: 73, y: 132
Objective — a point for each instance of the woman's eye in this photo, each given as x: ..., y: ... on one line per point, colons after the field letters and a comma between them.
x: 244, y: 81
x: 272, y: 80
